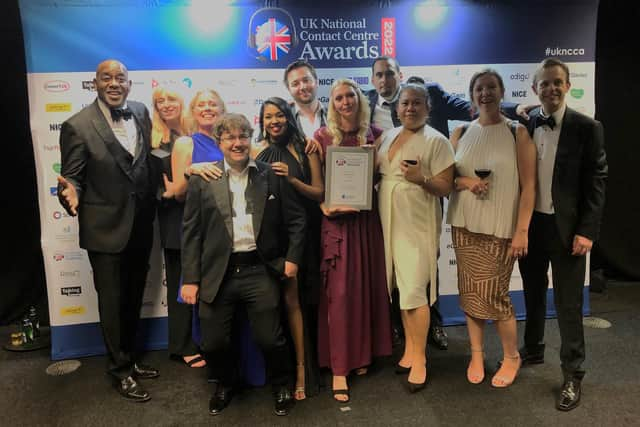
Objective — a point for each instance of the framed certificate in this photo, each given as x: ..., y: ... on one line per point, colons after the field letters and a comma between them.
x: 349, y: 177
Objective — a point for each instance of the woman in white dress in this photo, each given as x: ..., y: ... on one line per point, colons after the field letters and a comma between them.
x: 416, y: 164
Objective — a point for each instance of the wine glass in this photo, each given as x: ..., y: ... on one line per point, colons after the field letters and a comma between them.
x: 483, y: 173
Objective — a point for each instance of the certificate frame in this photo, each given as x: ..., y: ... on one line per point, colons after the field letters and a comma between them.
x: 349, y: 177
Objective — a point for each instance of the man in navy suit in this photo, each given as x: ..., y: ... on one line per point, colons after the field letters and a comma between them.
x: 572, y: 170
x: 108, y: 181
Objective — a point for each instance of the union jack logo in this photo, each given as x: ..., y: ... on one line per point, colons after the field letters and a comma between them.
x: 271, y: 37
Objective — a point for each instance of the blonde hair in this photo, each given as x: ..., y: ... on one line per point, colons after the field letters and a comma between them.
x: 192, y: 123
x: 160, y: 132
x: 334, y: 118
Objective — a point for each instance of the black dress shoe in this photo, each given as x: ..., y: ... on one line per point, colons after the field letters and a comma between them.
x: 144, y: 372
x: 397, y: 337
x: 220, y: 399
x: 531, y: 357
x: 438, y: 337
x: 569, y: 395
x: 283, y: 402
x: 131, y: 390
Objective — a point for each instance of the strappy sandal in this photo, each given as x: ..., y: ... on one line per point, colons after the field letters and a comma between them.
x: 475, y: 377
x: 500, y: 380
x: 341, y: 392
x: 197, y: 359
x: 299, y: 393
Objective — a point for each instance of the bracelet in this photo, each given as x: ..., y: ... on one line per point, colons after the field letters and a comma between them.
x: 425, y: 180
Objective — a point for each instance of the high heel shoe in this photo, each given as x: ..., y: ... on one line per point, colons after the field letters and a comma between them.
x: 475, y: 377
x: 500, y: 380
x: 416, y: 387
x: 299, y: 393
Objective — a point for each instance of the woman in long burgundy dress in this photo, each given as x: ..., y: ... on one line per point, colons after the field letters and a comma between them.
x: 353, y: 319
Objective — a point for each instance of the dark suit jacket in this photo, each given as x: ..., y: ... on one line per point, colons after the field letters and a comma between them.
x: 444, y: 107
x: 579, y: 175
x: 207, y: 231
x: 112, y: 186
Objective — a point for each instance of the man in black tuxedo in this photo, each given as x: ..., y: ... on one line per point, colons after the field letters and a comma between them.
x: 241, y: 234
x: 106, y: 180
x: 572, y: 171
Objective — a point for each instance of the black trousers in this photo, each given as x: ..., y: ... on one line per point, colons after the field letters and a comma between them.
x: 179, y: 315
x: 252, y: 287
x: 119, y: 281
x: 546, y: 246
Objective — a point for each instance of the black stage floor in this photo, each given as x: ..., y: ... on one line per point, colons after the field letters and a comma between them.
x: 611, y: 388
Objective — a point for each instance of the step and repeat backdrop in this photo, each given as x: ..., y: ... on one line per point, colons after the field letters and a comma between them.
x: 241, y: 50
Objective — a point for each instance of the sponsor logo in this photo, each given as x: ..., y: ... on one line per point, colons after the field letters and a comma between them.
x: 71, y: 291
x: 53, y: 191
x: 68, y: 256
x: 74, y: 310
x: 522, y: 77
x: 56, y: 167
x: 273, y: 38
x: 88, y: 85
x: 51, y: 147
x: 518, y: 93
x: 56, y: 86
x: 187, y: 82
x: 58, y: 107
x: 235, y: 102
x: 388, y: 37
x: 577, y: 93
x: 461, y: 95
x: 55, y: 127
x: 263, y: 82
x: 60, y: 214
x: 358, y: 79
x: 67, y: 274
x: 452, y: 262
x: 575, y: 75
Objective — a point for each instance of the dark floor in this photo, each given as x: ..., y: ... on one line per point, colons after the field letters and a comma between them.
x: 611, y: 389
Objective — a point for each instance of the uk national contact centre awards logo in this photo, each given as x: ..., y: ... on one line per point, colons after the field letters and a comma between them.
x: 272, y: 38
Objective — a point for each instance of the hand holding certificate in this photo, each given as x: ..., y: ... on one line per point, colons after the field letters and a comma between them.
x: 349, y: 177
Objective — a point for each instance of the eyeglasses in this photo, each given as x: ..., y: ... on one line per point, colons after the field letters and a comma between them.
x: 232, y: 138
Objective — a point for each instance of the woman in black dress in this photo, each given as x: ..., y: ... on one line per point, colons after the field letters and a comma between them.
x: 284, y: 149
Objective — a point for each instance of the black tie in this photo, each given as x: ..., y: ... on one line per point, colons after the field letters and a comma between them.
x: 549, y: 121
x: 120, y: 113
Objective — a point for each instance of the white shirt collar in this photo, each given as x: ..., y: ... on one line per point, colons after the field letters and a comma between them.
x: 558, y: 115
x: 391, y: 100
x: 231, y: 171
x: 106, y: 110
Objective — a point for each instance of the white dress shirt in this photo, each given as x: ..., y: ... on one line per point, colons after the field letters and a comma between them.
x: 546, y: 141
x: 382, y: 112
x: 243, y: 238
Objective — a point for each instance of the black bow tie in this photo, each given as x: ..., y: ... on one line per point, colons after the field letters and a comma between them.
x: 549, y: 121
x: 120, y: 113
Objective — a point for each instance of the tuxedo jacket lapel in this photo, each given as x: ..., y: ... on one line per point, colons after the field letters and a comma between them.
x: 222, y: 196
x: 564, y: 145
x: 122, y: 157
x: 256, y: 195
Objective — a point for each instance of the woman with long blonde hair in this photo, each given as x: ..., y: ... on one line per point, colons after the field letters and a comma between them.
x: 353, y: 321
x: 169, y: 124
